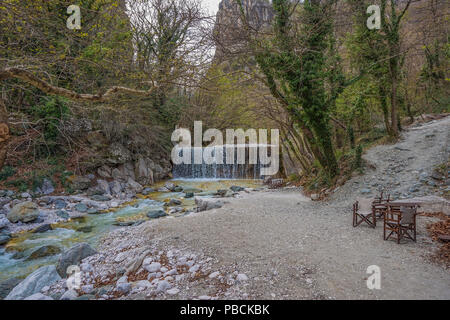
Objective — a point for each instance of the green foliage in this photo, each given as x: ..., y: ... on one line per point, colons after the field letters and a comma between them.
x: 21, y: 184
x: 358, y: 157
x: 50, y: 113
x: 7, y: 172
x: 351, y: 136
x: 307, y: 83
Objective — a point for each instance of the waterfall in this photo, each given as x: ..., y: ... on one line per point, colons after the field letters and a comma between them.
x: 251, y: 169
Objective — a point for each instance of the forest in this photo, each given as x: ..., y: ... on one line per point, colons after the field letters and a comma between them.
x: 113, y: 90
x: 316, y: 165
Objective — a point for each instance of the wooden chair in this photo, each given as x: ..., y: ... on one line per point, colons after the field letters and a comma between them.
x: 400, y: 221
x: 379, y: 205
x: 363, y: 211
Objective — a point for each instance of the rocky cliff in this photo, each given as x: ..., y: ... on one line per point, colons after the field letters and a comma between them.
x: 228, y: 28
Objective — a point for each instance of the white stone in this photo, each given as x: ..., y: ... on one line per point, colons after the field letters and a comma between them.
x: 163, y: 286
x: 173, y: 291
x: 204, y: 298
x: 164, y: 269
x: 179, y: 277
x: 170, y: 272
x: 194, y: 269
x: 242, y: 277
x: 123, y: 279
x: 214, y: 275
x: 153, y: 267
x: 69, y: 295
x: 124, y: 287
x: 144, y: 284
x: 87, y: 288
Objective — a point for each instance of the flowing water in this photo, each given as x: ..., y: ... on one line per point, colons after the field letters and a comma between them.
x: 14, y: 260
x: 245, y: 162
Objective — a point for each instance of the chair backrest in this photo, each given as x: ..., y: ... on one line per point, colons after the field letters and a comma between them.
x: 365, y: 204
x: 408, y: 214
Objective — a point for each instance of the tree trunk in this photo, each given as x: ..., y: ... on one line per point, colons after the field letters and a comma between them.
x: 394, y: 122
x: 4, y: 133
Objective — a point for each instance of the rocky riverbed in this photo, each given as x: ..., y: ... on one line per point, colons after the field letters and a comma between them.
x: 244, y: 243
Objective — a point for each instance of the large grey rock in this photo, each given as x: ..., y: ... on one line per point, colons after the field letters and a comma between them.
x: 7, y: 285
x: 47, y: 187
x: 155, y: 214
x: 3, y: 223
x: 73, y: 256
x: 43, y: 228
x: 134, y: 186
x: 104, y: 172
x: 24, y: 212
x: 124, y: 287
x: 103, y: 186
x: 81, y: 207
x: 38, y: 296
x: 42, y: 277
x: 60, y: 204
x: 207, y: 204
x: 4, y: 238
x: 44, y: 251
x: 143, y: 172
x: 80, y: 183
x: 237, y: 188
x: 116, y: 187
x: 69, y: 295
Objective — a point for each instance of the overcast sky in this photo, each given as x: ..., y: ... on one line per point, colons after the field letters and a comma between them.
x: 212, y: 5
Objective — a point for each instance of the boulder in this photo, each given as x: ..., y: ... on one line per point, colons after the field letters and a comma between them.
x: 69, y: 295
x: 43, y: 228
x: 134, y: 186
x: 207, y: 204
x: 116, y: 187
x: 147, y: 191
x: 4, y: 238
x: 47, y: 187
x: 101, y: 198
x: 80, y: 183
x: 104, y: 172
x: 237, y: 188
x: 124, y: 287
x: 155, y: 214
x: 24, y: 212
x: 44, y: 251
x: 174, y: 202
x: 42, y: 277
x: 60, y: 204
x: 62, y: 214
x: 103, y: 186
x: 81, y: 207
x: 143, y: 172
x: 170, y: 186
x: 3, y: 223
x: 73, y: 256
x: 7, y: 285
x: 38, y: 296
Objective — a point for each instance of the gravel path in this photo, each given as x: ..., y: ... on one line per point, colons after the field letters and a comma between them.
x: 293, y: 248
